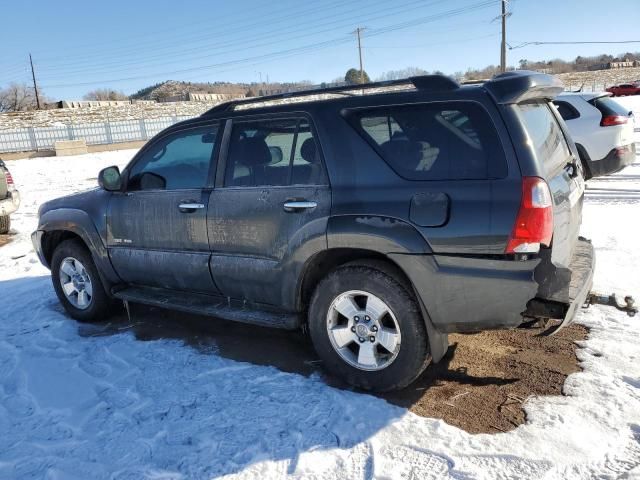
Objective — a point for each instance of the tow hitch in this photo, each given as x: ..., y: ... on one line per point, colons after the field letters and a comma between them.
x: 595, y: 298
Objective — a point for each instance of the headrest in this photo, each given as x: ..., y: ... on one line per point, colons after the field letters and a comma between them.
x: 308, y: 151
x: 251, y: 151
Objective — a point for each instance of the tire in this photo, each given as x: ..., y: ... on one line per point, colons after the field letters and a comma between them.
x: 75, y: 253
x: 5, y: 224
x: 356, y: 285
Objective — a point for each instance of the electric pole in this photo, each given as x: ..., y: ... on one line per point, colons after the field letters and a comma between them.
x: 503, y: 46
x: 35, y: 86
x: 357, y: 32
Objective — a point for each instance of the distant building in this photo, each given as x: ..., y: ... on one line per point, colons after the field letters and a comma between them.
x: 615, y: 64
x: 200, y: 97
x: 92, y: 103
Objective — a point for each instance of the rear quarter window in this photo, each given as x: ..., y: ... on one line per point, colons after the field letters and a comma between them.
x: 435, y: 141
x: 608, y: 106
x: 545, y: 134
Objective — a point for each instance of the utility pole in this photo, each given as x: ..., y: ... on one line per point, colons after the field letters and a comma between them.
x: 503, y: 46
x: 357, y: 32
x: 35, y: 86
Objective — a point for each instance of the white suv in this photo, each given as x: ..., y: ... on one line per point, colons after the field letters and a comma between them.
x: 602, y: 130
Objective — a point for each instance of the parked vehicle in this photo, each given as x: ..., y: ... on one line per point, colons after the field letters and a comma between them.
x: 382, y: 221
x: 9, y: 198
x: 625, y: 89
x: 602, y: 130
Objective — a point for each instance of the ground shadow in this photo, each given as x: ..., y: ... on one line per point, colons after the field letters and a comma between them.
x: 289, y: 351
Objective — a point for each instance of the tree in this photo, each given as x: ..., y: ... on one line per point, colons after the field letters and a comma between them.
x: 18, y: 97
x: 352, y: 77
x: 403, y: 73
x: 102, y: 94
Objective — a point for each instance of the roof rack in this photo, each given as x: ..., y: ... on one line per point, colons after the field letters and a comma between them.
x: 423, y: 82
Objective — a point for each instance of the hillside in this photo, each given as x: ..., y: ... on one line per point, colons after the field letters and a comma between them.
x: 601, y: 79
x: 172, y: 88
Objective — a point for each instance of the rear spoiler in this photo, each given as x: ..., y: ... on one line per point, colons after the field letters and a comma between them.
x: 522, y: 85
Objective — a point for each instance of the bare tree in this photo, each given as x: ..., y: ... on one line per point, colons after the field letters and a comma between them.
x: 18, y: 97
x: 101, y: 94
x: 403, y: 73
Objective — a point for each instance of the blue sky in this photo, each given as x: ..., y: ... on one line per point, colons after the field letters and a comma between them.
x: 79, y: 45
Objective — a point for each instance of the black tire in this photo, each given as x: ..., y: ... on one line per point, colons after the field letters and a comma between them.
x: 100, y: 303
x: 5, y: 224
x: 413, y: 356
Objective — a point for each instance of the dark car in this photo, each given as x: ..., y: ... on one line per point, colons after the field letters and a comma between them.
x: 625, y: 89
x: 380, y: 220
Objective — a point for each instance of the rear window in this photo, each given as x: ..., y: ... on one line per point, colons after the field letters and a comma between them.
x: 608, y: 106
x: 436, y: 141
x: 547, y: 138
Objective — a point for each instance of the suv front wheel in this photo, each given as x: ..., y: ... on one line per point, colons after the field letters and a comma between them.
x: 368, y: 329
x: 77, y: 283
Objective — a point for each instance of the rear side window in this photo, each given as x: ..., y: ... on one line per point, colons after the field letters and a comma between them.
x: 435, y: 141
x: 566, y: 110
x: 273, y: 153
x: 546, y: 136
x: 608, y: 106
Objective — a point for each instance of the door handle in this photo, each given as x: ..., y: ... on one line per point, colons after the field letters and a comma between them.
x: 299, y: 205
x: 190, y: 206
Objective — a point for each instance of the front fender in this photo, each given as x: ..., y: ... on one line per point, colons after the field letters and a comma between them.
x: 79, y: 223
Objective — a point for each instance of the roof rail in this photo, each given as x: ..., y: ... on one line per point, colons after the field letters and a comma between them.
x: 423, y: 82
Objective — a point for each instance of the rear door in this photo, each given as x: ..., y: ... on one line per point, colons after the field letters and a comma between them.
x: 554, y: 157
x: 271, y: 198
x: 156, y: 228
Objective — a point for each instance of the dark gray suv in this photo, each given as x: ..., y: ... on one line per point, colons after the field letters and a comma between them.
x: 382, y: 217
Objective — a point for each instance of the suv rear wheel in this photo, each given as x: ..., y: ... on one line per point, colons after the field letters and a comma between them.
x: 77, y: 283
x: 368, y: 329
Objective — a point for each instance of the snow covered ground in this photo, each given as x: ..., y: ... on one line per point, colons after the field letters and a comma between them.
x: 79, y: 406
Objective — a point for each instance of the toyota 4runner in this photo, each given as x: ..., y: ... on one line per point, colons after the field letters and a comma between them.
x: 381, y: 217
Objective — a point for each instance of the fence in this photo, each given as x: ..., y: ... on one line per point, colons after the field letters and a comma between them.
x: 43, y: 138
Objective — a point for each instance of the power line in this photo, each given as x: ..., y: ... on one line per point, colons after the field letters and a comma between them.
x: 305, y: 30
x: 297, y: 50
x: 526, y: 44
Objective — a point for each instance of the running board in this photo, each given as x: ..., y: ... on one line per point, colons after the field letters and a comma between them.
x: 209, y: 305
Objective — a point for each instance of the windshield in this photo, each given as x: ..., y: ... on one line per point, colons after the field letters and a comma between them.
x: 545, y: 134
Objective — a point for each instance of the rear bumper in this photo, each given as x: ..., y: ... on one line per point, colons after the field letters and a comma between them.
x: 463, y: 294
x: 10, y: 204
x: 560, y: 299
x: 613, y: 162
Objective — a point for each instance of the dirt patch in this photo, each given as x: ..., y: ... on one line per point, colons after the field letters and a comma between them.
x: 4, y: 239
x: 479, y: 386
x: 485, y: 378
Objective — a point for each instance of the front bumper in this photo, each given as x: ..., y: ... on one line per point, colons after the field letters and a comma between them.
x: 36, y: 239
x: 10, y: 204
x: 615, y: 161
x: 567, y: 295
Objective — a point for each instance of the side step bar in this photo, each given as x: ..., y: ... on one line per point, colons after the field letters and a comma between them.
x: 209, y: 305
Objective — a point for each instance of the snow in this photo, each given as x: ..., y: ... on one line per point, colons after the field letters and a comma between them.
x: 75, y: 404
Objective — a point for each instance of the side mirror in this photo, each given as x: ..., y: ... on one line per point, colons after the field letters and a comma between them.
x: 109, y: 178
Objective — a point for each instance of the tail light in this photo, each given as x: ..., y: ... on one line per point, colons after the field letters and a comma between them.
x: 10, y: 184
x: 534, y: 223
x: 611, y: 120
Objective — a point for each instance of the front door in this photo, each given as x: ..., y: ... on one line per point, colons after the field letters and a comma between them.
x: 157, y: 227
x: 272, y: 201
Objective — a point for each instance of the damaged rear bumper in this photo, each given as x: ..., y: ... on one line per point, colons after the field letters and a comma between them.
x: 563, y: 291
